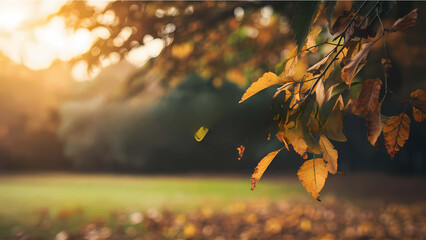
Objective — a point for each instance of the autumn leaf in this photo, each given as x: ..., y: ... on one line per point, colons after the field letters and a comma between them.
x: 268, y: 79
x: 286, y: 66
x: 281, y: 137
x: 240, y: 150
x: 367, y: 106
x: 354, y: 65
x: 373, y: 121
x: 341, y: 22
x: 405, y: 22
x: 334, y: 127
x: 329, y: 154
x: 313, y: 174
x: 261, y: 167
x: 200, y: 133
x: 396, y: 132
x: 368, y: 97
x: 418, y: 99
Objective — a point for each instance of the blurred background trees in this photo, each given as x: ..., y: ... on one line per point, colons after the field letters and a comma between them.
x: 141, y: 77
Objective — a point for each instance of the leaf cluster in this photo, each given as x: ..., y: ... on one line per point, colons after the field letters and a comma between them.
x: 310, y: 103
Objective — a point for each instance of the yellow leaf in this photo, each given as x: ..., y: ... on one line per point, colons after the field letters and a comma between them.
x: 396, y: 132
x: 334, y: 125
x: 268, y: 79
x: 261, y: 167
x: 329, y: 154
x: 312, y: 174
x: 200, y: 133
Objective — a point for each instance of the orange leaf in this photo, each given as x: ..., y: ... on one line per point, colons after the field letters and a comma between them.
x: 261, y: 167
x: 373, y: 121
x: 241, y: 151
x: 396, y: 132
x: 329, y: 154
x: 313, y: 174
x: 268, y: 79
x: 405, y: 22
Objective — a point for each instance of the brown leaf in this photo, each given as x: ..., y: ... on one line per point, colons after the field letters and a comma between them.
x: 313, y: 174
x: 396, y: 132
x: 368, y: 98
x: 329, y: 154
x: 373, y: 121
x: 261, y: 167
x: 418, y: 99
x: 405, y: 22
x: 241, y: 151
x: 268, y: 79
x: 341, y: 22
x: 354, y: 65
x: 367, y: 106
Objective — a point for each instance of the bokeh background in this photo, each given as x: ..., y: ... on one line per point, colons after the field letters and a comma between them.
x: 99, y: 103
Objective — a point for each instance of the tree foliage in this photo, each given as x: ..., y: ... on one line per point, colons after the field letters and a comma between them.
x: 315, y: 99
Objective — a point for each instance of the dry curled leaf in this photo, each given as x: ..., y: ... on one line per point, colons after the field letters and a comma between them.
x: 405, y: 22
x: 240, y: 150
x: 268, y: 79
x: 354, y: 65
x: 313, y: 174
x: 418, y: 99
x: 261, y: 167
x: 330, y: 154
x: 396, y: 132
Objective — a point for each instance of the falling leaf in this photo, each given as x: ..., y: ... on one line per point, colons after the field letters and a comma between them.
x: 240, y: 151
x: 418, y: 98
x: 329, y: 154
x: 354, y: 65
x: 405, y: 22
x: 261, y: 167
x: 396, y: 132
x: 268, y: 79
x: 312, y: 174
x: 200, y: 133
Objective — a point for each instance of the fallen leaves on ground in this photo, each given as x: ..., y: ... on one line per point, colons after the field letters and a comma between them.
x: 256, y: 219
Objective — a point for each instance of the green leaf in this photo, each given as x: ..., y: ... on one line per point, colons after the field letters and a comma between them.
x: 303, y: 18
x: 329, y: 8
x: 279, y: 68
